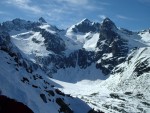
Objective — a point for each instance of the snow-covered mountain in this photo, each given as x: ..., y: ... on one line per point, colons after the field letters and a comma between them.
x: 84, y: 26
x: 26, y: 82
x: 56, y: 49
x: 103, y: 65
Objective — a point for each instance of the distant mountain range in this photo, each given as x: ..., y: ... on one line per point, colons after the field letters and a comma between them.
x: 38, y: 58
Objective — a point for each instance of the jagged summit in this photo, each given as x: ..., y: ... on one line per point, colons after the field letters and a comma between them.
x: 106, y: 19
x: 85, y: 20
x: 42, y: 20
x: 108, y: 24
x: 85, y: 26
x: 18, y: 25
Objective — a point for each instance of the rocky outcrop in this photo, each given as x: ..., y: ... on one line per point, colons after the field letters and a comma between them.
x: 8, y: 105
x: 86, y: 26
x: 52, y: 42
x: 93, y: 111
x: 111, y: 47
x: 42, y: 20
x: 81, y: 58
x: 63, y: 106
x: 17, y: 25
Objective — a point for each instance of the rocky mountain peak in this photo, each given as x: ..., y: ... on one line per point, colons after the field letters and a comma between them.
x: 18, y: 25
x: 42, y: 20
x: 85, y: 26
x: 112, y: 47
x: 107, y: 24
x: 18, y: 20
x: 85, y: 20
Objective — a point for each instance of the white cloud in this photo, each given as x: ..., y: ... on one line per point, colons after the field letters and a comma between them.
x: 124, y: 17
x: 105, y: 3
x: 90, y: 7
x: 82, y: 4
x: 75, y: 2
x: 25, y: 4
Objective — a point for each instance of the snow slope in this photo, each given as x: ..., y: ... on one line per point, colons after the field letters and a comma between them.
x: 145, y: 36
x: 76, y: 41
x: 132, y: 75
x: 134, y: 40
x: 29, y: 91
x: 25, y: 42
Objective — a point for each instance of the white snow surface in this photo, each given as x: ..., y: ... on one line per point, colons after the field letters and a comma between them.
x: 16, y: 89
x: 75, y: 41
x: 25, y: 43
x: 90, y: 44
x: 134, y: 40
x: 77, y: 74
x: 145, y: 36
x: 48, y: 28
x: 12, y: 86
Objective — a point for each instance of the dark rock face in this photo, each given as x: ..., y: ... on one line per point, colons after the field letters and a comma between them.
x: 85, y: 58
x: 4, y: 40
x: 53, y: 42
x: 50, y: 93
x: 93, y: 111
x: 43, y: 97
x: 36, y: 41
x: 142, y: 67
x: 110, y: 43
x: 42, y: 20
x: 59, y: 92
x: 63, y: 106
x: 86, y: 26
x: 108, y: 25
x: 8, y: 105
x: 81, y: 57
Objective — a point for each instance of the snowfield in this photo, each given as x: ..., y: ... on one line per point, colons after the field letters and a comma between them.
x: 25, y: 43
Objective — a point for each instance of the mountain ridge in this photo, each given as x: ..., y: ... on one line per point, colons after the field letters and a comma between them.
x: 87, y: 52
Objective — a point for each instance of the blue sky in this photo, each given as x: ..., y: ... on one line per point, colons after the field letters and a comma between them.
x: 130, y: 14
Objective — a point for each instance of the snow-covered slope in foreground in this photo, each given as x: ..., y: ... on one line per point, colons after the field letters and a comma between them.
x: 25, y: 82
